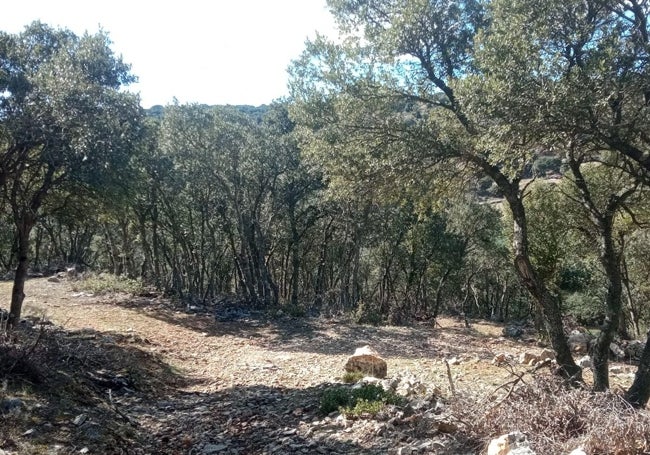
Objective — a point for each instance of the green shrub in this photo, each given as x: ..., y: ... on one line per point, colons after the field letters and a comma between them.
x: 369, y: 399
x: 587, y: 309
x: 334, y: 399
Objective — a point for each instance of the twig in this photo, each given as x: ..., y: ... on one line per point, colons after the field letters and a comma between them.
x: 113, y: 406
x: 451, y: 381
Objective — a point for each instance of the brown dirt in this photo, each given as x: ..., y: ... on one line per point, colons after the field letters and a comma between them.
x: 162, y: 380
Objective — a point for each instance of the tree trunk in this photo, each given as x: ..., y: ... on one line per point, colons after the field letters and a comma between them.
x: 639, y: 392
x: 24, y: 228
x: 610, y: 262
x: 548, y: 305
x: 438, y: 301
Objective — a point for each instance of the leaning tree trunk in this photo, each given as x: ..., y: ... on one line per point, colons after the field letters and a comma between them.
x: 639, y: 392
x: 548, y: 305
x: 24, y: 228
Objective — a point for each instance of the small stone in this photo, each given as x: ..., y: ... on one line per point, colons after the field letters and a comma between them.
x: 617, y: 351
x: 53, y: 279
x: 85, y: 450
x: 29, y: 432
x: 499, y: 359
x: 514, y: 443
x: 616, y: 369
x: 528, y: 358
x: 210, y: 449
x: 578, y: 451
x: 80, y: 419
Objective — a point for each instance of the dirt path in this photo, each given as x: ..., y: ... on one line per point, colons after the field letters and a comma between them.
x: 200, y: 386
x: 289, y: 352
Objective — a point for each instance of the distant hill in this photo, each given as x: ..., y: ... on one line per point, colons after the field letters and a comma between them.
x: 256, y: 112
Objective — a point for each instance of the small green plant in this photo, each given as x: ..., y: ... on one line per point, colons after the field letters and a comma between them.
x: 363, y: 408
x: 352, y: 377
x: 370, y: 399
x: 105, y: 283
x: 333, y: 399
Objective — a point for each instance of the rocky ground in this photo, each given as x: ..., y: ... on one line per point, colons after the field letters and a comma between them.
x: 142, y: 375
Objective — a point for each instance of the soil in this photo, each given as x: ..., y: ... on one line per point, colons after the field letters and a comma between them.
x: 142, y: 374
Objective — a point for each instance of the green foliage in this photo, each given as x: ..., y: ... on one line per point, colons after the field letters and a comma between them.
x: 546, y: 165
x: 368, y: 399
x: 352, y: 377
x: 574, y: 278
x: 588, y: 309
x: 333, y: 399
x: 367, y: 313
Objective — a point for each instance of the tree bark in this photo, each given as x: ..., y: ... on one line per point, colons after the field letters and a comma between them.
x: 639, y: 392
x: 24, y: 228
x: 547, y: 304
x: 610, y: 262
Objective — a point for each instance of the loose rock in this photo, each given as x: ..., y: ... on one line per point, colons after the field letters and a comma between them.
x: 367, y: 361
x: 514, y: 443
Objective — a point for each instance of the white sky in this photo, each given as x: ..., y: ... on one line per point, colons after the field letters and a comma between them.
x: 206, y: 51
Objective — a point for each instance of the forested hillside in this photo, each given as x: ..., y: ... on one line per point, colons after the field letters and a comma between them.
x: 481, y: 159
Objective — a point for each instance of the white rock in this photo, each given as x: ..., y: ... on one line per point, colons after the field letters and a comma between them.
x: 616, y: 369
x: 585, y: 362
x: 617, y: 351
x: 514, y: 443
x: 578, y: 451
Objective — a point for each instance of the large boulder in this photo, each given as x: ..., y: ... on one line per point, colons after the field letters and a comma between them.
x: 367, y: 361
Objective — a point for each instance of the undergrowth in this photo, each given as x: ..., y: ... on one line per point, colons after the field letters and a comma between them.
x: 352, y: 377
x: 106, y: 283
x: 557, y: 419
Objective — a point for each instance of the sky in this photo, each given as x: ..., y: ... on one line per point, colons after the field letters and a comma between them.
x: 204, y: 51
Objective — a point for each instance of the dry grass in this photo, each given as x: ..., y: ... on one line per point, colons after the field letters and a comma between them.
x: 558, y: 419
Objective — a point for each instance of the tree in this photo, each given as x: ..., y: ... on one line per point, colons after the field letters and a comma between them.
x: 65, y: 125
x: 573, y: 77
x: 395, y: 102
